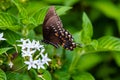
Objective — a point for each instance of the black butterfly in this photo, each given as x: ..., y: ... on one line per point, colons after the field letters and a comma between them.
x: 54, y: 33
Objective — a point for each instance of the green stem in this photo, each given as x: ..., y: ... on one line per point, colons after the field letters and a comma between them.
x: 20, y: 68
x: 63, y: 54
x: 25, y: 31
x: 75, y: 60
x: 54, y: 51
x: 15, y: 48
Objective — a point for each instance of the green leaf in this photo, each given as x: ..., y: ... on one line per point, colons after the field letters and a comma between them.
x: 87, y: 25
x: 109, y: 43
x: 3, y: 50
x: 62, y: 9
x: 77, y: 37
x: 39, y: 16
x: 25, y: 18
x: 54, y: 1
x: 18, y: 76
x: 34, y: 75
x: 88, y: 60
x: 118, y: 23
x: 31, y: 34
x: 47, y: 75
x: 116, y: 56
x: 108, y: 8
x: 87, y: 31
x: 11, y: 36
x: 84, y: 36
x: 83, y: 76
x: 70, y: 2
x: 62, y: 75
x: 2, y: 75
x: 34, y: 6
x: 22, y: 11
x: 8, y: 21
x: 94, y: 44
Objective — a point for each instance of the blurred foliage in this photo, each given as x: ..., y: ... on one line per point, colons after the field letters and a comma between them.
x: 95, y: 25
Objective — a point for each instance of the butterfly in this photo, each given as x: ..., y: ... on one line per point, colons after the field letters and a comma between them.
x: 54, y: 33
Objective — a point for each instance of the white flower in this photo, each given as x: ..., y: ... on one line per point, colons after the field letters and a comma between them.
x: 40, y: 64
x: 25, y: 43
x: 42, y: 50
x: 45, y: 59
x: 29, y: 48
x: 10, y: 64
x: 27, y: 52
x: 1, y: 36
x: 31, y: 63
x: 28, y: 44
x: 33, y: 44
x: 38, y: 46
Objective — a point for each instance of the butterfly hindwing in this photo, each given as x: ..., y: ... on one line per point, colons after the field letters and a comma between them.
x: 54, y: 33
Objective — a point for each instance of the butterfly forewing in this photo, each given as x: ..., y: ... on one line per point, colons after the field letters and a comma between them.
x: 54, y: 33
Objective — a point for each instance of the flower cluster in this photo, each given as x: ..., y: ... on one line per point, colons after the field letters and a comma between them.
x: 33, y: 53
